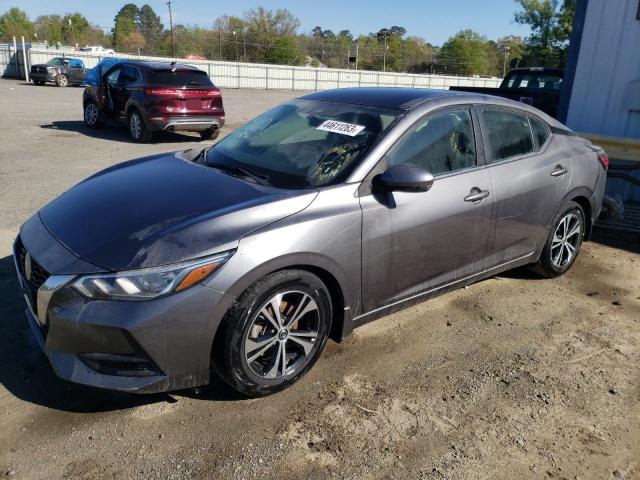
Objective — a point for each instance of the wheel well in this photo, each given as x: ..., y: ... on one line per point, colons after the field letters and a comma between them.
x: 586, y: 208
x: 337, y: 298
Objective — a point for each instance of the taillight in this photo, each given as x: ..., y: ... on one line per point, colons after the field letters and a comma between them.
x: 604, y: 160
x: 180, y: 93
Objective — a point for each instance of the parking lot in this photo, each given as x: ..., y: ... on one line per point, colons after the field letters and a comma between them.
x: 512, y: 377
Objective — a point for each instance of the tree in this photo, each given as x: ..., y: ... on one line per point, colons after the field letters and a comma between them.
x: 551, y: 25
x: 133, y: 42
x: 124, y: 24
x: 465, y: 54
x: 150, y: 27
x: 49, y: 28
x: 15, y: 22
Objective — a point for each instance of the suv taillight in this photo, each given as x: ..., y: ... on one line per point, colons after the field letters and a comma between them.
x: 604, y: 160
x: 180, y: 93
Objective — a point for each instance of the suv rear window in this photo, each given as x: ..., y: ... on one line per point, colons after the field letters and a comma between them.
x: 180, y: 78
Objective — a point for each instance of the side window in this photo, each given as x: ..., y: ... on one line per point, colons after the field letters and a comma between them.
x: 509, y: 134
x: 540, y: 132
x: 441, y: 142
x: 128, y: 74
x: 112, y: 78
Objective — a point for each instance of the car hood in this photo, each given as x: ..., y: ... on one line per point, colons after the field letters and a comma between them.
x: 163, y: 209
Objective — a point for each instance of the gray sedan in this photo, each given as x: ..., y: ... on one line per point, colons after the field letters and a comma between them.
x: 317, y: 217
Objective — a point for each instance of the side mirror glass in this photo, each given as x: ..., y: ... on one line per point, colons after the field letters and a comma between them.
x: 406, y: 177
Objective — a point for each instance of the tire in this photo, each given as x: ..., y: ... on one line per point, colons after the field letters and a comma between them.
x: 247, y: 352
x: 92, y: 116
x: 210, y: 134
x: 137, y: 128
x: 62, y: 81
x: 562, y: 246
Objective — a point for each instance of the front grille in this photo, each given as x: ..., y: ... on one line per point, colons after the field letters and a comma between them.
x: 38, y: 274
x: 38, y: 70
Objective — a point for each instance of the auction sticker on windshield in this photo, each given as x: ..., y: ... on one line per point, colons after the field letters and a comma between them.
x: 340, y: 127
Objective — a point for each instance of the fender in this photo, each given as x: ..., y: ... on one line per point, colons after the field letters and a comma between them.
x: 344, y: 296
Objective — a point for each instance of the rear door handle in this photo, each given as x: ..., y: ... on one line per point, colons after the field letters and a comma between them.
x: 559, y: 171
x: 476, y: 195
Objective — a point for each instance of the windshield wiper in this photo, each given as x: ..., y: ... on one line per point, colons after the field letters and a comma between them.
x: 235, y: 171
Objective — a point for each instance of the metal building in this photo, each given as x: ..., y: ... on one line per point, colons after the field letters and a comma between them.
x: 602, y: 96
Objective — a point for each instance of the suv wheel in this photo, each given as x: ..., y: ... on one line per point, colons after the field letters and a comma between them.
x: 274, y: 333
x: 210, y: 134
x: 62, y: 81
x: 92, y: 116
x: 137, y: 128
x: 563, y: 244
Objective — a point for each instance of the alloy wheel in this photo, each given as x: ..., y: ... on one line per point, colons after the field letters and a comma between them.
x: 283, y: 334
x: 135, y: 125
x: 63, y: 82
x: 566, y: 240
x: 91, y: 114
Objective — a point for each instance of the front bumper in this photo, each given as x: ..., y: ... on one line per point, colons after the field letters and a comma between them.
x: 42, y: 77
x: 156, y: 345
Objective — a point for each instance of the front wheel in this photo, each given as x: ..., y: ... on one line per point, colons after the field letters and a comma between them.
x: 62, y: 81
x: 92, y: 116
x: 274, y: 333
x: 563, y: 243
x: 137, y: 128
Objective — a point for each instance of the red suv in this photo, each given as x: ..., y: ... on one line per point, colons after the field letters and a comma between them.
x: 151, y: 97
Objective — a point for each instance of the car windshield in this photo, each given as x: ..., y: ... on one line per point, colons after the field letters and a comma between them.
x: 304, y: 143
x: 56, y: 61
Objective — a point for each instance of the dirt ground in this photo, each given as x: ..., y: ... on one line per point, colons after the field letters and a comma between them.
x: 513, y: 377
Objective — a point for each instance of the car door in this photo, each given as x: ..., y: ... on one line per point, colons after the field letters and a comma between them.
x: 110, y: 90
x: 530, y: 175
x: 76, y: 71
x: 414, y: 242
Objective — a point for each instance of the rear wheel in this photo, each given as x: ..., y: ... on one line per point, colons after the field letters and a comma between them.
x: 92, y: 116
x: 62, y: 81
x: 563, y: 243
x: 210, y: 134
x: 137, y: 128
x: 274, y: 333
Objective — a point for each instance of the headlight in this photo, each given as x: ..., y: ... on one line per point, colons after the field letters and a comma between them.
x: 51, y: 69
x: 149, y: 283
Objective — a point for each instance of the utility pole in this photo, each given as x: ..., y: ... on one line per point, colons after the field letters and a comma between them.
x: 504, y: 66
x: 173, y: 42
x: 384, y: 58
x: 235, y: 39
x: 219, y: 42
x: 73, y: 34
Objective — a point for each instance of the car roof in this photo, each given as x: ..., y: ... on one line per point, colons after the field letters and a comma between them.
x: 159, y: 65
x: 384, y: 97
x: 551, y: 70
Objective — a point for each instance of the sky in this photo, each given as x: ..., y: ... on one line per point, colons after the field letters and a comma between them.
x: 434, y: 20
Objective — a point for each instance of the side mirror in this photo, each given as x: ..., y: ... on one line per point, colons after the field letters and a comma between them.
x: 406, y: 177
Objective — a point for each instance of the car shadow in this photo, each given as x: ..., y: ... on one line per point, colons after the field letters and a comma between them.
x: 117, y: 133
x: 25, y: 371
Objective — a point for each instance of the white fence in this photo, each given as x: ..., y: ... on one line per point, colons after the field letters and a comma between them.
x: 267, y: 77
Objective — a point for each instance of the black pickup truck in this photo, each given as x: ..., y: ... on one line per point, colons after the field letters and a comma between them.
x: 537, y: 86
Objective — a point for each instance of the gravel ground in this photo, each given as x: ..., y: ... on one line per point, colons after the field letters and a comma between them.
x: 513, y: 377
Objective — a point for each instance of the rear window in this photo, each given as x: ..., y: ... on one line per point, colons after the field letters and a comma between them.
x: 181, y: 78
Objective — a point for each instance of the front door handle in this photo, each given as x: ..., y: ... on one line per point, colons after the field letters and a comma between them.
x: 559, y: 171
x: 475, y: 195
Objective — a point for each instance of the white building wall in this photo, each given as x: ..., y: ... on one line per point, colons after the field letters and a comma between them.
x: 606, y: 90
